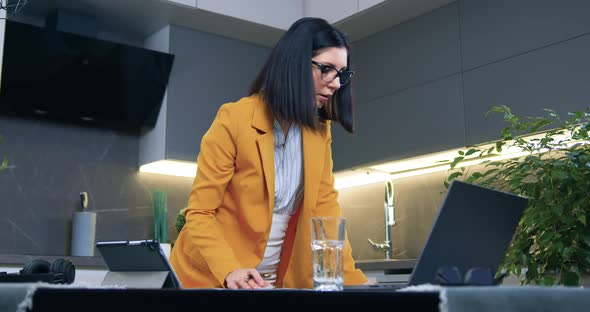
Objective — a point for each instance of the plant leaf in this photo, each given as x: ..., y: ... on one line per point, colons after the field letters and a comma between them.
x: 551, y: 244
x: 540, y: 124
x: 582, y: 218
x: 471, y: 151
x: 570, y: 278
x: 454, y: 175
x: 456, y: 161
x: 558, y: 209
x: 559, y: 174
x: 548, y: 281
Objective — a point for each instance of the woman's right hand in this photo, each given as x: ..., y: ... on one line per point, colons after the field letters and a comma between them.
x: 246, y: 279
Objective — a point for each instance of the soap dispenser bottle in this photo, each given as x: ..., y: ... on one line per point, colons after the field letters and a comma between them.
x: 83, y: 230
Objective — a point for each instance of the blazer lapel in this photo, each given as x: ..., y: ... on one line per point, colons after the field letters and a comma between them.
x: 262, y: 120
x: 313, y: 162
x: 313, y: 156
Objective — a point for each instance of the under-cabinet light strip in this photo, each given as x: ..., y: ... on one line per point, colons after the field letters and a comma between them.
x: 424, y: 164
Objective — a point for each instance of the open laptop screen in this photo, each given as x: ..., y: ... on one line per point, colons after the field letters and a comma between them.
x: 473, y: 229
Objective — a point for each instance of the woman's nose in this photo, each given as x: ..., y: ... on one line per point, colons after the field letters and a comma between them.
x: 335, y: 84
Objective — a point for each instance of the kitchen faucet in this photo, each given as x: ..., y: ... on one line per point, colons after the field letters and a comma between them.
x: 389, y: 206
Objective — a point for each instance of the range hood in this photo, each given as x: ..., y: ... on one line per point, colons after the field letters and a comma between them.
x: 65, y: 77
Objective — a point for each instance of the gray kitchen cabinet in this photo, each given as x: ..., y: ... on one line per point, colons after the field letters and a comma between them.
x: 407, y: 92
x: 407, y: 55
x: 499, y: 29
x: 526, y: 54
x: 412, y: 122
x: 556, y: 77
x: 208, y: 71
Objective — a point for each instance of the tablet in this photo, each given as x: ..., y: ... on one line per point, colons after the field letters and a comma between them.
x: 138, y: 256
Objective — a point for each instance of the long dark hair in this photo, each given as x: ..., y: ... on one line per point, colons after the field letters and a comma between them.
x: 286, y: 81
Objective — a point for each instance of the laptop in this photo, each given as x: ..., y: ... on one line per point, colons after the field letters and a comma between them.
x: 473, y: 229
x: 141, y: 263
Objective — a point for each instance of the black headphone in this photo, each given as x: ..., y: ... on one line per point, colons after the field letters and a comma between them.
x: 61, y: 271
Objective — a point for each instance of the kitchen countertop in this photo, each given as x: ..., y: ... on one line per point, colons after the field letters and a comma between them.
x: 365, y: 264
x: 20, y: 260
x: 385, y: 264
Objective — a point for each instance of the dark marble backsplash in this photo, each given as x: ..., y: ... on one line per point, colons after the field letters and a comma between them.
x: 417, y: 201
x: 50, y: 164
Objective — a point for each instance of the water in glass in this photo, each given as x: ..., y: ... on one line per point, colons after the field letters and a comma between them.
x: 327, y: 265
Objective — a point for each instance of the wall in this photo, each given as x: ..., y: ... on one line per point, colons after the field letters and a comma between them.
x: 466, y: 56
x: 417, y: 201
x: 50, y: 164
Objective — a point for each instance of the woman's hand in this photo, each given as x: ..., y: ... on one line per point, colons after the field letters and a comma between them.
x: 246, y: 279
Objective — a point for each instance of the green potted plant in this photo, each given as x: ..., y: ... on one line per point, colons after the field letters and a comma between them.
x: 180, y: 220
x: 551, y: 245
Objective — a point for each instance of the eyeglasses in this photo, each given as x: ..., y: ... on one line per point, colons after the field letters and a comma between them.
x: 329, y: 73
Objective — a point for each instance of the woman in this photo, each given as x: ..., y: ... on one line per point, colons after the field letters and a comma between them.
x: 265, y: 168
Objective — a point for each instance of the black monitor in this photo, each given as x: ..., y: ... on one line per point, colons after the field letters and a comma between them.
x: 65, y: 77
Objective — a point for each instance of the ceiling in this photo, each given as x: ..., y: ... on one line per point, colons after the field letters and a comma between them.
x: 140, y: 18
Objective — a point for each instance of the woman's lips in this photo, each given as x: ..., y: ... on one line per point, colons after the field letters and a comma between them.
x: 323, y: 98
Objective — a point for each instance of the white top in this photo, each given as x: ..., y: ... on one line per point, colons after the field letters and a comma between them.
x: 288, y: 169
x: 288, y: 153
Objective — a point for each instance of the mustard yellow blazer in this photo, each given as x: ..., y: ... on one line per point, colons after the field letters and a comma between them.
x: 232, y: 199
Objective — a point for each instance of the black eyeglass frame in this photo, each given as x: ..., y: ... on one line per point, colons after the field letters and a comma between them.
x: 339, y: 73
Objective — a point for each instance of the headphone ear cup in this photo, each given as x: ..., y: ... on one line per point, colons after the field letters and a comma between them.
x: 37, y: 266
x: 64, y: 267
